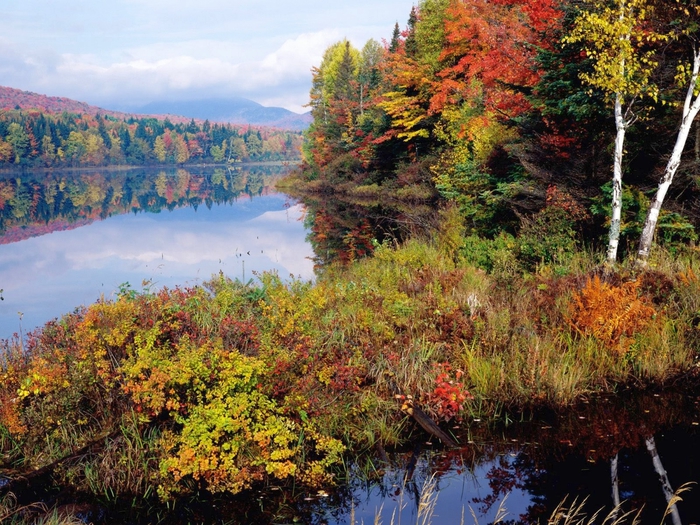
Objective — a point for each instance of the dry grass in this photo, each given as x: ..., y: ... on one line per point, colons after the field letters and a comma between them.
x: 564, y: 513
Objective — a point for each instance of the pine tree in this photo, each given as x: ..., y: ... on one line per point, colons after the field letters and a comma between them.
x: 410, y: 45
x: 394, y: 45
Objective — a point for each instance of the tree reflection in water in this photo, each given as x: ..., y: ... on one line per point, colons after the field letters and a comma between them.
x: 36, y: 203
x: 548, y: 458
x: 343, y: 229
x: 67, y: 238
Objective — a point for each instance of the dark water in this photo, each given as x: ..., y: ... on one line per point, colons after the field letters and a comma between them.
x: 529, y: 467
x: 68, y: 238
x: 521, y: 471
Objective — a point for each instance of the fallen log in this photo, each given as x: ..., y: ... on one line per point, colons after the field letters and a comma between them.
x: 14, y: 481
x: 426, y: 423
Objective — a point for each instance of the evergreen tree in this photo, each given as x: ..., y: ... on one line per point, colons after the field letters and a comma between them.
x: 395, y: 39
x: 410, y: 45
x: 18, y: 139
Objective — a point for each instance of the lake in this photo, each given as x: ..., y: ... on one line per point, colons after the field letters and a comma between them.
x: 69, y: 238
x: 530, y: 466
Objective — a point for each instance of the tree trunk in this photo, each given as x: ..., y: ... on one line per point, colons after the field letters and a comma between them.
x: 19, y: 482
x: 616, y: 217
x: 690, y: 111
x: 615, y: 483
x: 663, y: 477
x: 427, y: 424
x: 697, y: 150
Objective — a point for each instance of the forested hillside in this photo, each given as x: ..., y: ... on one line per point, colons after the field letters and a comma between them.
x: 509, y: 108
x: 11, y: 98
x: 529, y: 148
x: 53, y: 132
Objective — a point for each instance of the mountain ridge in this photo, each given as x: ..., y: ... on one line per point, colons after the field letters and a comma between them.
x: 233, y: 110
x: 13, y: 98
x: 236, y: 110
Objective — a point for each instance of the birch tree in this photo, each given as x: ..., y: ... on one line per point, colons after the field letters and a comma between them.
x: 615, y: 479
x: 663, y: 479
x: 616, y: 40
x: 688, y: 73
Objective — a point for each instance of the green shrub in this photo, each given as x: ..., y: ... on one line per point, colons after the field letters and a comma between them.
x: 549, y: 237
x: 495, y: 255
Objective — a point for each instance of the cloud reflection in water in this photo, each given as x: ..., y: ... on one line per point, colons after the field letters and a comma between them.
x: 44, y: 277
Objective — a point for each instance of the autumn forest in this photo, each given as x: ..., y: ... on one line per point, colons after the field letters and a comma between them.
x: 37, y: 138
x: 504, y: 200
x: 496, y: 105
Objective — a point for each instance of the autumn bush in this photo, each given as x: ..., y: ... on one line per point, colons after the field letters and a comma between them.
x: 611, y: 314
x: 171, y: 360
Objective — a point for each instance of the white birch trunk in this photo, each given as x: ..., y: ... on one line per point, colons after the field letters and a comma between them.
x: 615, y: 485
x: 663, y: 477
x: 690, y: 111
x: 616, y: 217
x: 615, y: 480
x: 620, y: 128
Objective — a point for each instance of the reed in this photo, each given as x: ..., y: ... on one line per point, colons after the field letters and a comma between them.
x: 567, y: 512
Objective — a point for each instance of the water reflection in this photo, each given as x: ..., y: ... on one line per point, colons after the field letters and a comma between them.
x: 532, y: 466
x: 67, y: 238
x: 343, y: 228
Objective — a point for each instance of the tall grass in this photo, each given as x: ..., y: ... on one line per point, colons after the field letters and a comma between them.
x: 125, y: 466
x: 11, y: 513
x: 565, y: 513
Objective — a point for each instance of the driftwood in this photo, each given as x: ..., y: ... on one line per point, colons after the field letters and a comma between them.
x: 409, y: 407
x: 21, y: 481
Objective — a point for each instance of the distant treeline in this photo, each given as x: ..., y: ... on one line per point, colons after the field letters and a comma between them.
x: 39, y: 139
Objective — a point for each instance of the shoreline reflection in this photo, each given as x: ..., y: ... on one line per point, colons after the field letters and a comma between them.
x: 66, y: 239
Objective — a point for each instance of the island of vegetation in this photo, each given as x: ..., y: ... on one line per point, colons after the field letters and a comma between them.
x: 542, y: 160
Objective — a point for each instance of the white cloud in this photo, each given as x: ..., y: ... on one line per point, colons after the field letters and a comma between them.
x: 300, y: 53
x: 143, y: 77
x: 155, y: 49
x: 169, y: 249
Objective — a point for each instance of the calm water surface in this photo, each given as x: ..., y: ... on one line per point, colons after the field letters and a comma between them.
x: 529, y: 467
x: 66, y: 239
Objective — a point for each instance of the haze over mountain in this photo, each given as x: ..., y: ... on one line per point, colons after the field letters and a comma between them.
x: 235, y: 110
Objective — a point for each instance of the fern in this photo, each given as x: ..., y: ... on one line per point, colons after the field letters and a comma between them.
x: 688, y: 277
x: 611, y: 314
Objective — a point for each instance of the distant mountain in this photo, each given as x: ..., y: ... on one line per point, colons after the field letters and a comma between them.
x: 235, y: 110
x: 11, y: 98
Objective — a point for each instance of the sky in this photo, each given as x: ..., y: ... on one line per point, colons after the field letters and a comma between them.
x: 124, y: 53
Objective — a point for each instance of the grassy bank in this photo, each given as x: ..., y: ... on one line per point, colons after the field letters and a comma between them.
x: 232, y: 384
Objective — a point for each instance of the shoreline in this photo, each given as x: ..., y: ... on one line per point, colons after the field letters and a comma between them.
x: 129, y: 167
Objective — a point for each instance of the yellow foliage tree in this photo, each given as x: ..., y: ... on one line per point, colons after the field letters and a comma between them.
x: 620, y: 45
